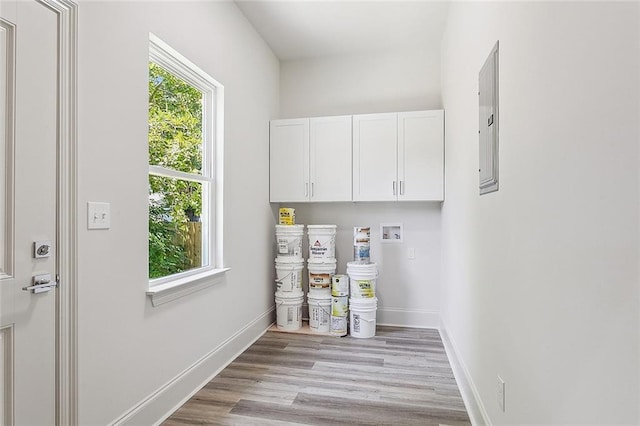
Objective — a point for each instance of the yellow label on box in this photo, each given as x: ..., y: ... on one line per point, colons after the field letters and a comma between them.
x: 287, y: 216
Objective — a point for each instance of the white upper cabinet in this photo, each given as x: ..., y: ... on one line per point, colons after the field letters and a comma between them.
x: 367, y: 157
x: 421, y: 155
x: 310, y: 159
x: 398, y: 156
x: 289, y: 160
x: 330, y: 158
x: 375, y: 140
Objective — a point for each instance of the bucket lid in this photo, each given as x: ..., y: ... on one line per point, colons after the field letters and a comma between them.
x: 291, y: 228
x: 319, y: 296
x: 328, y: 261
x: 321, y: 226
x: 290, y: 295
x: 362, y: 267
x: 363, y: 301
x: 290, y: 261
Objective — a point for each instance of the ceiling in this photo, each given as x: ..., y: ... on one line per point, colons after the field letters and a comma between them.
x: 310, y: 29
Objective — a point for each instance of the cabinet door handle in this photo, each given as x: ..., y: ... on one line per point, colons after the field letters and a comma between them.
x: 401, y: 187
x: 311, y: 189
x: 306, y: 189
x: 394, y: 187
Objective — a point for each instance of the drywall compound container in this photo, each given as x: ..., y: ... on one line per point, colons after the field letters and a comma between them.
x: 340, y: 285
x: 287, y: 216
x: 320, y: 274
x: 319, y: 313
x: 322, y: 242
x: 362, y: 279
x: 361, y: 244
x: 289, y: 276
x: 289, y: 239
x: 338, y: 326
x: 289, y: 310
x: 363, y: 317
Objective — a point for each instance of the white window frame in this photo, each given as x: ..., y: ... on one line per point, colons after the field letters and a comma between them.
x: 165, y: 289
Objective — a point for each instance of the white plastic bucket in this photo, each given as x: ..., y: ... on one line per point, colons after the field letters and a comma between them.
x: 289, y: 276
x: 289, y: 239
x: 339, y: 306
x: 340, y: 285
x: 362, y: 279
x: 319, y: 313
x: 322, y: 241
x: 338, y: 326
x: 363, y: 317
x: 289, y: 310
x: 320, y: 274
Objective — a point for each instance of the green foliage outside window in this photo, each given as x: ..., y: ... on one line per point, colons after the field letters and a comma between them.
x: 175, y: 142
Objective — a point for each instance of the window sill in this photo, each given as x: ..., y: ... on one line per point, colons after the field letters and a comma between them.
x: 175, y: 289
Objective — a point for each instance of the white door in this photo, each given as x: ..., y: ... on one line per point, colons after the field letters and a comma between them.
x: 375, y: 157
x: 28, y: 194
x: 330, y: 158
x: 421, y: 155
x: 289, y: 160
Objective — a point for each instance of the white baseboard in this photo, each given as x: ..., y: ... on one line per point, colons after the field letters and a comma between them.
x: 408, y: 317
x: 471, y: 397
x: 158, y: 406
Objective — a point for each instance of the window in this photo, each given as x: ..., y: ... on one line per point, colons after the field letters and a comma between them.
x: 185, y: 196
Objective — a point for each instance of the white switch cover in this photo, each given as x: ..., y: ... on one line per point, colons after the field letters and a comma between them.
x: 411, y: 253
x: 98, y: 215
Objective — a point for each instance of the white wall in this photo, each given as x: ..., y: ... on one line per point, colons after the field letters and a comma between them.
x: 541, y: 278
x: 408, y: 290
x: 127, y: 348
x: 360, y: 84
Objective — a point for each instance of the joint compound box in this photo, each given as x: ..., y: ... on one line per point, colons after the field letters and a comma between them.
x: 287, y: 216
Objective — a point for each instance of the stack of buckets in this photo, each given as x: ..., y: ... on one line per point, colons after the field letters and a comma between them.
x: 363, y: 275
x: 289, y: 266
x: 322, y: 267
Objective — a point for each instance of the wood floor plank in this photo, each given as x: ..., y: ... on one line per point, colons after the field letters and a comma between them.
x: 401, y: 377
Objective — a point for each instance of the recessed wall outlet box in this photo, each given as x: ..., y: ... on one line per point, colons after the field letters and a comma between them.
x: 98, y: 215
x: 501, y: 393
x: 391, y: 232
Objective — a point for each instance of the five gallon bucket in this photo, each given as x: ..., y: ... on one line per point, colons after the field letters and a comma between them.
x: 289, y: 238
x: 319, y: 313
x: 320, y: 274
x: 322, y: 242
x: 362, y: 279
x: 289, y: 310
x: 289, y: 276
x: 363, y: 317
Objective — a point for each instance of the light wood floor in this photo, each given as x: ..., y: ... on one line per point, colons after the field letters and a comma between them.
x: 400, y: 377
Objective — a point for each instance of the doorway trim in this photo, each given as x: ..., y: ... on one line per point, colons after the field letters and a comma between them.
x: 67, y: 229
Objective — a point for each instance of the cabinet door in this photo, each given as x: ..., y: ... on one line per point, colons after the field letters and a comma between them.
x: 330, y: 158
x: 421, y: 155
x: 375, y: 157
x: 289, y: 160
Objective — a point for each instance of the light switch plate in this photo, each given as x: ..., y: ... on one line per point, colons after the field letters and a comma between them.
x: 98, y: 215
